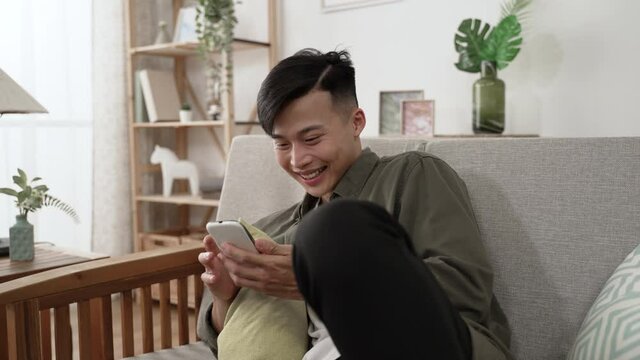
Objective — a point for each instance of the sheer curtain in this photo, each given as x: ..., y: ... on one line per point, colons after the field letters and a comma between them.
x: 112, y: 231
x: 46, y: 47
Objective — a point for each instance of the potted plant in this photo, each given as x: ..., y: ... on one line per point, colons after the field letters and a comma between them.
x: 215, y: 21
x: 484, y: 49
x: 185, y: 113
x: 29, y: 198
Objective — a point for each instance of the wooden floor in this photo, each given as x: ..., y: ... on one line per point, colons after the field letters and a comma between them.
x: 117, y: 343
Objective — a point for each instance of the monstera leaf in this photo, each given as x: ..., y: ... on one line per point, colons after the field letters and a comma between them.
x: 469, y: 42
x: 503, y: 43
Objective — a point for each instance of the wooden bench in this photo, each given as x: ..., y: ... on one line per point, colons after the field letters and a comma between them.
x: 26, y: 304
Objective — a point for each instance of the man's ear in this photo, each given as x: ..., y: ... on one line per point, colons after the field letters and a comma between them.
x: 359, y: 120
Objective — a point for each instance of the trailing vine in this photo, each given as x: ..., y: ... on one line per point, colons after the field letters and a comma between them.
x: 215, y: 22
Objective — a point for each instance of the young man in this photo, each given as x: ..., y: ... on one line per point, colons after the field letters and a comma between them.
x: 386, y: 251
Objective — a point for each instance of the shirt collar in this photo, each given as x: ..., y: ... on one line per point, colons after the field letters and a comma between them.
x: 351, y: 183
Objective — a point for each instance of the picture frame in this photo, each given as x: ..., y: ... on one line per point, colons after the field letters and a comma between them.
x: 391, y: 110
x: 338, y: 5
x: 418, y: 117
x: 185, y: 29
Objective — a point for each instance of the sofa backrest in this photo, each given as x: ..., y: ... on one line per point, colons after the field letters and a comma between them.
x: 556, y: 215
x: 255, y: 186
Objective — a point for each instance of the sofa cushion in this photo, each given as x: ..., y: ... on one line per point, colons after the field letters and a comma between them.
x: 196, y: 351
x: 556, y: 216
x: 610, y: 330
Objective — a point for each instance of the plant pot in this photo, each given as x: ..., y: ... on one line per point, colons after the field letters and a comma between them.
x: 488, y: 101
x: 186, y: 116
x: 21, y: 240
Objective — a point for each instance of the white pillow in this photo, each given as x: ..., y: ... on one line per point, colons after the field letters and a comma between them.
x: 611, y: 329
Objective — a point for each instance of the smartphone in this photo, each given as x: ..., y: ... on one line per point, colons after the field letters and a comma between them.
x: 233, y: 232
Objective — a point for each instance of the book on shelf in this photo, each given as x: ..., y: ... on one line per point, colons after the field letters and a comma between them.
x: 160, y: 95
x: 140, y: 113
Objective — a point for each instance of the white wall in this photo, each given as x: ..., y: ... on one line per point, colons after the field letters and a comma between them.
x: 577, y: 73
x: 46, y: 47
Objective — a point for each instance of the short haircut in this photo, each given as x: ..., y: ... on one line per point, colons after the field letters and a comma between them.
x: 299, y: 74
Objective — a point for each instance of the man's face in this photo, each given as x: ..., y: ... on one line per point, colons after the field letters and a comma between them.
x: 315, y: 143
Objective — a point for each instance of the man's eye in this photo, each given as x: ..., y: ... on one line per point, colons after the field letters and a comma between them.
x: 312, y: 139
x: 281, y: 146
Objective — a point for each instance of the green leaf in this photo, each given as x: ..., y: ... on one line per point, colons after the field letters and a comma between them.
x: 42, y: 188
x: 57, y: 203
x: 18, y: 181
x: 518, y: 8
x: 469, y: 42
x: 8, y: 191
x: 503, y: 43
x: 36, y: 178
x: 23, y: 175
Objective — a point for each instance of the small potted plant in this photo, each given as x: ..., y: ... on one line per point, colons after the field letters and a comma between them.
x: 185, y: 113
x: 29, y: 198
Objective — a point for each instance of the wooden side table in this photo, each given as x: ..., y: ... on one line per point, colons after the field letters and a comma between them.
x: 46, y: 257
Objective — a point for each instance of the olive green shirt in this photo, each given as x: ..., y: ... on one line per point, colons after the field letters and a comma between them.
x: 431, y: 202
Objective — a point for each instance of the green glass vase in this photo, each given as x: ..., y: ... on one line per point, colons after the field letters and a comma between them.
x: 21, y: 240
x: 488, y: 101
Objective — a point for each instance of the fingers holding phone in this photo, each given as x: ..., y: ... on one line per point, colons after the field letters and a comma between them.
x: 216, y: 277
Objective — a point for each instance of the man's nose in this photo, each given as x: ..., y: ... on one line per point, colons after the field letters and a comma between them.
x: 299, y: 157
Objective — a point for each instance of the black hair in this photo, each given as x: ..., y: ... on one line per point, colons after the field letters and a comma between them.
x: 299, y: 74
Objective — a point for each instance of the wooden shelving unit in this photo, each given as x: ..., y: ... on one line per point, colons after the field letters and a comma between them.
x: 144, y: 200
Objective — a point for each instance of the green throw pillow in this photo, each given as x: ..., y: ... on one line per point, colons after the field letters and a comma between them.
x: 611, y: 329
x: 263, y: 327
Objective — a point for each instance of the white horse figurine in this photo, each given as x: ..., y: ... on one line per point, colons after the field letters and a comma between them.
x: 173, y: 168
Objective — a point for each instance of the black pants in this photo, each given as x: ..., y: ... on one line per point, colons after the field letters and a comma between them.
x: 356, y: 267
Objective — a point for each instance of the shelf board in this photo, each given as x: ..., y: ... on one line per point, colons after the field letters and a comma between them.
x: 179, y: 200
x: 190, y: 48
x: 177, y: 124
x: 198, y: 123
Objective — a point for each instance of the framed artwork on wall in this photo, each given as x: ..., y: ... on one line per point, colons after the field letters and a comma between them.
x: 337, y: 5
x: 418, y: 117
x: 391, y: 111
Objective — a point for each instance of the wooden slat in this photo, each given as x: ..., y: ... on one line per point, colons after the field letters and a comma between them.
x: 147, y: 320
x: 4, y: 344
x: 115, y: 287
x: 183, y: 315
x: 126, y: 320
x: 84, y: 330
x: 24, y: 330
x: 165, y: 315
x: 101, y: 328
x: 45, y: 331
x: 62, y: 330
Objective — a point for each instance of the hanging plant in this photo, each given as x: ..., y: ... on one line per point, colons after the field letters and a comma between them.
x: 215, y: 22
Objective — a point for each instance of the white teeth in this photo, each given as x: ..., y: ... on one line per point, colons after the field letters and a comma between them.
x: 313, y: 174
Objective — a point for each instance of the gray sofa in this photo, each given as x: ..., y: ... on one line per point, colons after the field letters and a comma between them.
x: 556, y: 215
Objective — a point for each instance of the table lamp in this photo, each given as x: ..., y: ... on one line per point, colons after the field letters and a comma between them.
x: 14, y: 99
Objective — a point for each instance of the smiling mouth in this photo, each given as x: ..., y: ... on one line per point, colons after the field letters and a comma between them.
x: 313, y: 175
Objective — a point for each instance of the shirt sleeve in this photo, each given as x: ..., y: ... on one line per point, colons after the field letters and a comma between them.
x: 205, y: 329
x: 434, y: 207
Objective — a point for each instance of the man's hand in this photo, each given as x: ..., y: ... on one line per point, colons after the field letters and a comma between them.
x: 216, y: 277
x: 270, y: 272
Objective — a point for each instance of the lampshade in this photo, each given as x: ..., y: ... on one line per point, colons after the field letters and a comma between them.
x: 14, y: 99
